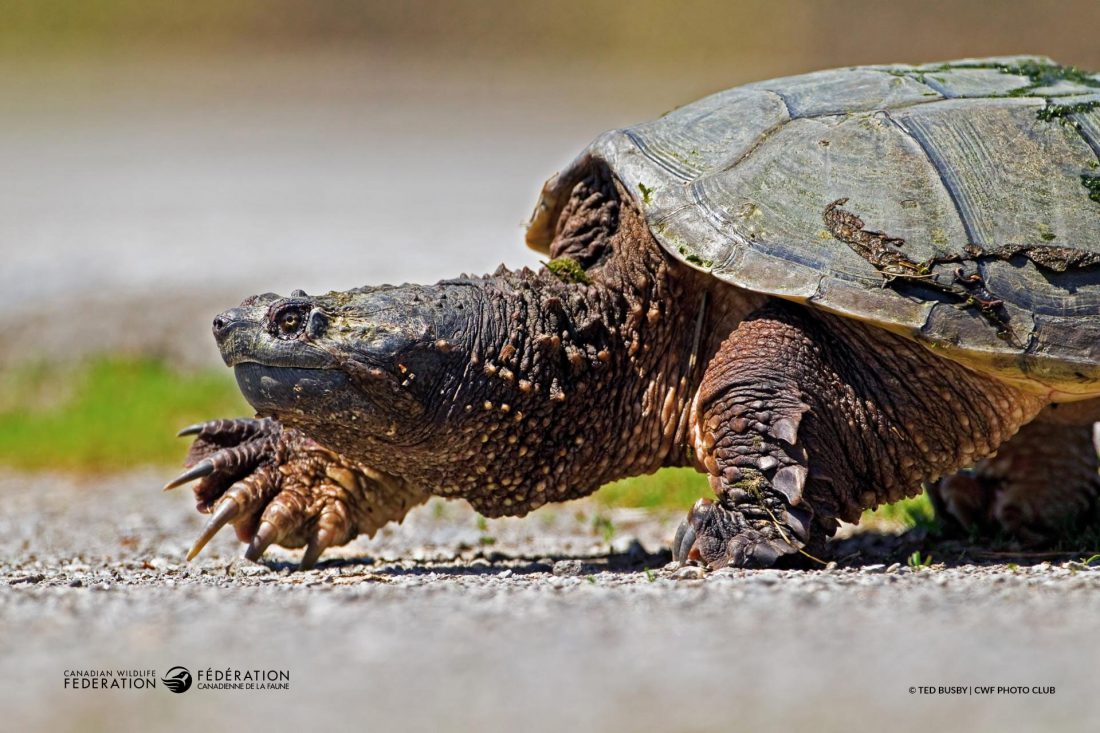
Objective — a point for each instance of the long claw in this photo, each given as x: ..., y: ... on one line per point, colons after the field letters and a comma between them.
x: 678, y: 540
x: 685, y: 538
x: 265, y: 535
x: 191, y: 430
x: 318, y: 543
x: 226, y: 512
x: 203, y: 468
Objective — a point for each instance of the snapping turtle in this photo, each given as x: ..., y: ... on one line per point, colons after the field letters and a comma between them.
x: 821, y: 290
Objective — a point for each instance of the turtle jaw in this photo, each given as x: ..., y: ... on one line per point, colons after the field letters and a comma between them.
x: 329, y: 405
x: 358, y: 412
x: 278, y: 390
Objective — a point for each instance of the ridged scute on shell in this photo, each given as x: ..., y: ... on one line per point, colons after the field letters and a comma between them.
x: 986, y: 152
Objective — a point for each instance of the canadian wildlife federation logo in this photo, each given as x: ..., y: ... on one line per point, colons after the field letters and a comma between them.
x: 177, y: 679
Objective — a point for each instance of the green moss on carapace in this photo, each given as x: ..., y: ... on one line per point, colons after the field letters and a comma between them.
x: 1092, y: 184
x: 1043, y: 74
x: 1062, y: 111
x: 1038, y: 73
x: 695, y: 259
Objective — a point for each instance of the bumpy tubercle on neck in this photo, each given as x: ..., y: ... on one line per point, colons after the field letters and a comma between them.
x: 569, y: 385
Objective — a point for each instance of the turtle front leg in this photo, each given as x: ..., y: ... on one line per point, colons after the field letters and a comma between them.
x: 277, y: 486
x: 804, y: 419
x: 749, y: 437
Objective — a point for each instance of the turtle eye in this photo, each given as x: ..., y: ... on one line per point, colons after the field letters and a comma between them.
x: 289, y: 321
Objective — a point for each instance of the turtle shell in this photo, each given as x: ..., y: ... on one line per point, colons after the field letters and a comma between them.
x: 956, y: 203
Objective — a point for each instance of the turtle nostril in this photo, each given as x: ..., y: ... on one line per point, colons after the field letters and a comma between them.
x: 229, y: 322
x: 221, y: 325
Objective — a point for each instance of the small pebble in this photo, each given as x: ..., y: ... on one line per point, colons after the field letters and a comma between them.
x: 246, y: 568
x: 689, y: 572
x: 568, y: 568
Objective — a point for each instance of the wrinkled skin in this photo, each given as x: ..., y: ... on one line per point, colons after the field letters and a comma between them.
x: 522, y: 388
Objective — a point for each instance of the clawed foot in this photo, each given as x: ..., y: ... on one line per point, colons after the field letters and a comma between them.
x: 716, y: 536
x: 1041, y: 487
x: 276, y: 486
x: 1033, y: 512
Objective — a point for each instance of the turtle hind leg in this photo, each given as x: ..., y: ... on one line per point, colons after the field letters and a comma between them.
x: 1041, y: 487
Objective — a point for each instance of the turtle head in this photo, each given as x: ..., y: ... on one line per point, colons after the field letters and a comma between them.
x: 362, y: 371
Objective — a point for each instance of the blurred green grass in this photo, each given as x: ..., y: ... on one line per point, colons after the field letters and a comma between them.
x: 916, y: 511
x: 107, y: 414
x: 679, y: 488
x: 669, y: 488
x: 115, y: 413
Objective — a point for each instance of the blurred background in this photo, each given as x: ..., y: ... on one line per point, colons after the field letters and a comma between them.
x: 162, y: 160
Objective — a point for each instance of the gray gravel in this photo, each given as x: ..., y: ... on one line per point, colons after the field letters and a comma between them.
x: 534, y: 624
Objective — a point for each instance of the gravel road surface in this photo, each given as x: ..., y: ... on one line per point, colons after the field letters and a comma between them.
x: 534, y: 624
